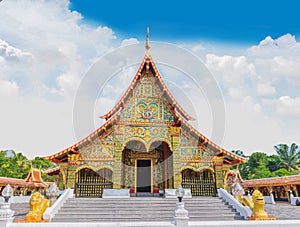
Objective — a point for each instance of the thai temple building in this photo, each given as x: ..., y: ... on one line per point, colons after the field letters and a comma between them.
x: 146, y: 145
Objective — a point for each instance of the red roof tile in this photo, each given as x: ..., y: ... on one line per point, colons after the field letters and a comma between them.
x: 287, y: 180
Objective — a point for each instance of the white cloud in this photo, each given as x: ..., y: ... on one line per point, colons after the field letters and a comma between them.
x: 233, y: 70
x: 277, y: 58
x: 252, y: 83
x: 280, y: 66
x: 46, y: 50
x: 198, y: 48
x: 129, y: 41
x: 8, y: 88
x: 285, y: 105
x: 60, y: 43
x: 9, y: 52
x: 285, y: 44
x: 250, y: 129
x: 265, y: 89
x: 236, y: 93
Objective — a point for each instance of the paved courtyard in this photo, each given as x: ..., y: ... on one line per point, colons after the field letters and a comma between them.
x: 283, y: 211
x: 21, y: 209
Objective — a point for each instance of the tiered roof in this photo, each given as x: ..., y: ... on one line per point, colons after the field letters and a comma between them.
x: 177, y: 110
x: 34, y: 179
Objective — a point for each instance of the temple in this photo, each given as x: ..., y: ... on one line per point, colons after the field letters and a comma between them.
x: 146, y: 145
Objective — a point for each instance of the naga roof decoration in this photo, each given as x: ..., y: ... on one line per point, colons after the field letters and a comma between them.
x: 176, y: 109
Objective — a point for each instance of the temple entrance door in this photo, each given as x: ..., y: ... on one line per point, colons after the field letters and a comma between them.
x: 143, y: 177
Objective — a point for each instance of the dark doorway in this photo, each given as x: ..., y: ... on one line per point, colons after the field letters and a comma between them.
x: 143, y: 175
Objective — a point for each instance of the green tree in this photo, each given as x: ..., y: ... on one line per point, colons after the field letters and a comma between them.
x: 239, y: 153
x: 257, y: 159
x: 41, y: 163
x: 16, y: 165
x: 20, y: 164
x: 274, y: 162
x: 282, y: 172
x: 258, y: 166
x: 261, y: 171
x: 289, y: 155
x: 4, y: 163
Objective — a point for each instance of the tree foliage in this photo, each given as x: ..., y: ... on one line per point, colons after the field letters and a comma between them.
x: 260, y: 165
x: 289, y: 155
x: 16, y: 165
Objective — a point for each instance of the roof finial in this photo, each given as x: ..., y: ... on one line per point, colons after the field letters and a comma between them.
x: 147, y: 45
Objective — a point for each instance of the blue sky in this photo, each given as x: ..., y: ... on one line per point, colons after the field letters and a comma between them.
x: 251, y: 48
x: 218, y: 20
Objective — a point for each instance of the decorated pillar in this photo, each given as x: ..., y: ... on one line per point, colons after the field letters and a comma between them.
x: 218, y: 163
x: 117, y: 174
x: 286, y: 193
x: 118, y: 149
x: 225, y: 169
x: 71, y: 172
x: 175, y: 135
x: 294, y: 188
x: 62, y: 180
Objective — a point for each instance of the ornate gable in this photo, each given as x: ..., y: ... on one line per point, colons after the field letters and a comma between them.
x: 147, y: 112
x: 147, y: 103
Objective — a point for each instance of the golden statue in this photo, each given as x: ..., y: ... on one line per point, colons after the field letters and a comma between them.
x: 38, y: 206
x: 247, y: 202
x: 258, y: 211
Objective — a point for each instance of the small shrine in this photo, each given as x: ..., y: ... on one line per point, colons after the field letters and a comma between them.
x: 280, y: 187
x: 33, y: 182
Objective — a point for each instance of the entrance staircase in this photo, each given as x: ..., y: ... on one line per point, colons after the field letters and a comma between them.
x: 142, y: 209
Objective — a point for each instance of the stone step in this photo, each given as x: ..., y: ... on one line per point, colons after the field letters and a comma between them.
x: 143, y: 219
x: 99, y: 205
x: 139, y: 212
x: 208, y: 203
x: 141, y: 209
x: 196, y: 202
x: 149, y: 199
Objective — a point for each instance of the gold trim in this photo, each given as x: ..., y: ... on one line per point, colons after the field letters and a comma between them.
x: 197, y: 170
x: 135, y: 175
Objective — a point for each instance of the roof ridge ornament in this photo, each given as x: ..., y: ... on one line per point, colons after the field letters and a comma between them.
x: 147, y: 45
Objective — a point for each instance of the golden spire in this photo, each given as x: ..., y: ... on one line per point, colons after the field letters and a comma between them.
x: 147, y: 45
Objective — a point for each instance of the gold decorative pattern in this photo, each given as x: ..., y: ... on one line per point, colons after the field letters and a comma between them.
x: 218, y: 161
